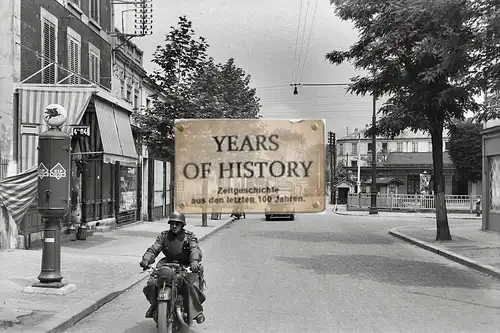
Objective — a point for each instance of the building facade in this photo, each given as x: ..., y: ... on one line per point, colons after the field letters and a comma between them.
x: 491, y: 176
x: 61, y: 51
x: 400, y: 161
x: 126, y: 85
x: 354, y: 144
x: 158, y: 176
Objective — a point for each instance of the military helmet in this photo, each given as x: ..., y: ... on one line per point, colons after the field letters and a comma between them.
x: 177, y: 217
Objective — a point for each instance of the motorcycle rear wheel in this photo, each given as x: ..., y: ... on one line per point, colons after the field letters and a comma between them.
x: 164, y: 326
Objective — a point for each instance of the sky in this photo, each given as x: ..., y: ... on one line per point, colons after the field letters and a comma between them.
x: 267, y: 42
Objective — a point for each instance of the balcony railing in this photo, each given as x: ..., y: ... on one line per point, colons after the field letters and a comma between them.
x: 412, y: 202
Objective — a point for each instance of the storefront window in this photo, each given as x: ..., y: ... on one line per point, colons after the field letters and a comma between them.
x: 128, y: 188
x: 495, y: 183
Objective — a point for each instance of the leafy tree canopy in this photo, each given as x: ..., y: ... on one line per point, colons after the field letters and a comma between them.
x: 421, y: 54
x: 466, y: 150
x: 192, y: 86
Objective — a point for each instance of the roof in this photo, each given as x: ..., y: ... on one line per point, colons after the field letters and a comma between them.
x: 346, y: 182
x: 395, y: 158
x: 354, y: 135
x: 384, y: 181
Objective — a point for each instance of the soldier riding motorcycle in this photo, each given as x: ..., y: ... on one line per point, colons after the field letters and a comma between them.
x: 179, y: 246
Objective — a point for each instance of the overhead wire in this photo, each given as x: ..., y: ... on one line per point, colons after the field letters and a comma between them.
x: 308, y: 41
x: 271, y: 87
x: 303, y: 34
x: 296, y: 42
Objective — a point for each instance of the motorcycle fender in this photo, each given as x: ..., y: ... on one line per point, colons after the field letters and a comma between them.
x: 165, y: 294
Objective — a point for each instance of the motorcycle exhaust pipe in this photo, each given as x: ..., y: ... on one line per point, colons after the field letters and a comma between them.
x: 178, y: 311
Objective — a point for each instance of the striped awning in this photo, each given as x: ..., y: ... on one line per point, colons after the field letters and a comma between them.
x: 18, y: 192
x: 33, y: 98
x: 116, y: 133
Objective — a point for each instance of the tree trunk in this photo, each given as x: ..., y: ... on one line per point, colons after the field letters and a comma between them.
x: 442, y: 228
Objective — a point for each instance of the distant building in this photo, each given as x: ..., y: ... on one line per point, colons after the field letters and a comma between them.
x: 350, y: 145
x: 400, y: 162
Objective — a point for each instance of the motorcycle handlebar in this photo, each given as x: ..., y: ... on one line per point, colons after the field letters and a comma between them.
x: 150, y: 268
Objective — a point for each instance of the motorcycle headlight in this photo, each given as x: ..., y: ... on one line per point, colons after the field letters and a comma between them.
x: 165, y: 275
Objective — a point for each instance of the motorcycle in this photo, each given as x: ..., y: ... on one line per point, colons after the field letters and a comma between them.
x: 170, y: 314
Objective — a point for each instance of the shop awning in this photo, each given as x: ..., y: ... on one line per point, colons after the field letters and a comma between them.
x: 116, y: 133
x: 33, y: 98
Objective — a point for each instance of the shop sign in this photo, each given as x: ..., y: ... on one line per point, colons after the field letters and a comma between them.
x: 255, y: 166
x: 80, y: 131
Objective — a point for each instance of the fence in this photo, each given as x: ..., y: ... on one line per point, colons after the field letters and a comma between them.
x: 412, y: 202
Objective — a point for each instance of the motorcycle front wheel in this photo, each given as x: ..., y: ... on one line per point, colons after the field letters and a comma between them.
x: 164, y: 326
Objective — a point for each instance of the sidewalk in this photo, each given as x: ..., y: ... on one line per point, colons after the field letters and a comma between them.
x: 102, y: 267
x: 470, y: 246
x: 341, y: 210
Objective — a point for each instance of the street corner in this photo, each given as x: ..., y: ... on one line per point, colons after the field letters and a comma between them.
x: 224, y: 224
x: 404, y: 233
x: 414, y: 235
x: 344, y: 213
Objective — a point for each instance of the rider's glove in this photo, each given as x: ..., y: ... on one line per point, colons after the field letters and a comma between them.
x: 144, y: 263
x: 195, y: 266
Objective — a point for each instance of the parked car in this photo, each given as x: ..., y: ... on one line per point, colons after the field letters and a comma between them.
x: 280, y: 210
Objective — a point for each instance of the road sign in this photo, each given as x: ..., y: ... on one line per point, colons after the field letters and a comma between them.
x: 251, y: 166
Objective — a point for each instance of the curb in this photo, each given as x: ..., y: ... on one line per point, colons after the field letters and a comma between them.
x: 487, y: 269
x: 78, y: 311
x: 420, y: 217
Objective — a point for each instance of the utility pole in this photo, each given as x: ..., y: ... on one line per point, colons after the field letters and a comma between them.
x: 334, y: 168
x: 358, y: 183
x: 373, y: 189
x: 332, y: 149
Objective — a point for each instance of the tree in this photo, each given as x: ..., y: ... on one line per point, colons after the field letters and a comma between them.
x: 487, y: 54
x: 180, y: 60
x: 193, y: 87
x: 380, y: 155
x: 419, y: 53
x: 229, y: 87
x: 340, y: 173
x: 466, y: 150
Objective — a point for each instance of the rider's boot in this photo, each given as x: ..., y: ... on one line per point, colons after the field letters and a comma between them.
x: 200, y: 318
x: 151, y: 311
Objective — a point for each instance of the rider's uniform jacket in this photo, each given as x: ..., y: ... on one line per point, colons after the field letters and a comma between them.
x: 182, y: 248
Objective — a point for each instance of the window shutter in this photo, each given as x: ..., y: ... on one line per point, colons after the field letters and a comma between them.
x: 49, y: 52
x: 74, y: 59
x: 91, y: 67
x: 94, y: 67
x: 94, y: 10
x: 77, y: 62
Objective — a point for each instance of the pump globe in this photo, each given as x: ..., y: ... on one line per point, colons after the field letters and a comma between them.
x: 55, y: 115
